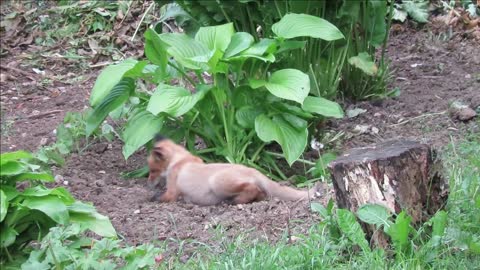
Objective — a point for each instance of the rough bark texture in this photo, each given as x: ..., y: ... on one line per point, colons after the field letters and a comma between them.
x: 398, y: 174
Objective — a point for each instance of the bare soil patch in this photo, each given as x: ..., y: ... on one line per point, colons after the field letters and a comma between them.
x: 430, y: 74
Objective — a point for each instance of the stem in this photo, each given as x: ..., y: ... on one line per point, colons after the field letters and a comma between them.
x: 257, y: 152
x: 183, y: 73
x: 308, y: 162
x: 10, y: 259
x: 199, y: 76
x: 278, y: 9
x: 274, y: 165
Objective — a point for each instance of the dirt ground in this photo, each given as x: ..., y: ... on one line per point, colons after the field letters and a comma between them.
x: 430, y: 74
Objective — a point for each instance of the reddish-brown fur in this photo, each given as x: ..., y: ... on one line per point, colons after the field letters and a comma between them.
x: 206, y: 184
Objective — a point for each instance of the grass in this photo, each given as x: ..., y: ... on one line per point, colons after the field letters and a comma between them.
x: 458, y: 248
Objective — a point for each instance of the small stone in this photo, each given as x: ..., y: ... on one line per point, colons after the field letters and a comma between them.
x: 240, y: 206
x: 101, y: 172
x: 377, y: 114
x: 462, y: 112
x: 99, y: 183
x: 43, y: 141
x: 360, y: 129
x: 294, y: 238
x: 375, y: 130
x: 65, y: 183
x: 58, y: 178
x: 136, y: 211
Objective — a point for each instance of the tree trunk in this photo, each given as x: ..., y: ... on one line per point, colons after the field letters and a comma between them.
x: 398, y: 174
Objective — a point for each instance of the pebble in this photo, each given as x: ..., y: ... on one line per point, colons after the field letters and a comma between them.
x: 99, y: 183
x: 136, y: 211
x: 43, y: 141
x: 59, y: 178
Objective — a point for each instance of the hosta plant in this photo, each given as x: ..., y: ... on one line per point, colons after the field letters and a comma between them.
x: 218, y: 86
x: 27, y: 214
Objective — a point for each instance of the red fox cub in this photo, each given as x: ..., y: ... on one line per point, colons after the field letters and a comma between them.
x: 207, y: 184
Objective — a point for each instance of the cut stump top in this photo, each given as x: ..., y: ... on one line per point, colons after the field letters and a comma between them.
x: 378, y: 152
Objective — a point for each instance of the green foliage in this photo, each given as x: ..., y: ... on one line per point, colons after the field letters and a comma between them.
x: 70, y: 17
x: 416, y: 9
x: 361, y: 23
x: 26, y: 214
x: 70, y: 137
x: 68, y: 248
x: 239, y: 107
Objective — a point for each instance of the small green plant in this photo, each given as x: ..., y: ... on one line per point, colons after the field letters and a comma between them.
x: 28, y: 212
x: 416, y: 9
x: 226, y: 92
x: 71, y: 138
x: 69, y: 248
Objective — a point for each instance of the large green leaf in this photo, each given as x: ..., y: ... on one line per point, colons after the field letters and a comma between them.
x: 4, y: 157
x: 174, y: 100
x: 89, y: 218
x: 322, y: 106
x: 240, y: 42
x: 7, y: 236
x: 140, y: 129
x: 187, y: 51
x: 3, y: 205
x: 291, y: 84
x: 399, y: 231
x: 262, y: 50
x: 439, y: 223
x: 374, y: 214
x: 11, y: 168
x: 287, y: 130
x: 352, y: 229
x: 40, y: 191
x: 364, y: 62
x: 418, y: 10
x: 155, y: 49
x: 46, y: 177
x: 119, y: 95
x: 50, y: 205
x: 376, y: 27
x: 246, y: 116
x: 303, y: 25
x: 109, y: 77
x: 10, y: 192
x: 215, y: 37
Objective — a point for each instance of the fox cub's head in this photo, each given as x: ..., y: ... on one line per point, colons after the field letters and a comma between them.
x: 159, y: 160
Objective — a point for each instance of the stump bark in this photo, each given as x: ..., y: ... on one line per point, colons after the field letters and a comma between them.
x: 399, y: 174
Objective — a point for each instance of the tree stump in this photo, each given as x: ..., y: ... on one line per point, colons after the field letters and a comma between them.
x: 398, y: 174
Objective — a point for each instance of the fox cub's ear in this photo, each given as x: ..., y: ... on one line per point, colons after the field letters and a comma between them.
x: 157, y: 153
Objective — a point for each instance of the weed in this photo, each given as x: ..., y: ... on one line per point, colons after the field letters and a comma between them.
x: 28, y: 209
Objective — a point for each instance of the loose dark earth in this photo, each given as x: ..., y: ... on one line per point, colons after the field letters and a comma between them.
x: 429, y: 72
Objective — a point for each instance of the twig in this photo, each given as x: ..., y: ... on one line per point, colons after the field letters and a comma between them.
x: 100, y: 64
x: 417, y: 117
x: 37, y: 116
x: 141, y: 20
